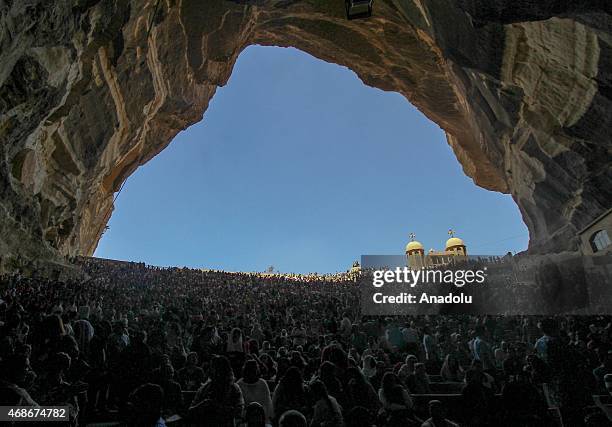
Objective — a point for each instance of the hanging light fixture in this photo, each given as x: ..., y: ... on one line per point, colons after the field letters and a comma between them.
x: 358, y: 8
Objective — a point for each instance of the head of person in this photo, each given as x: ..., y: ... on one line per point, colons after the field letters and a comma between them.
x: 266, y: 360
x: 296, y: 358
x: 166, y: 372
x: 221, y: 371
x: 549, y: 326
x: 292, y: 418
x: 368, y: 363
x: 192, y: 359
x: 608, y: 382
x: 250, y: 371
x: 283, y: 352
x: 511, y: 351
x: 54, y: 326
x: 282, y: 363
x: 68, y: 345
x: 410, y: 361
x: 395, y: 394
x: 140, y: 336
x: 12, y: 319
x: 389, y: 381
x: 327, y: 370
x: 145, y: 405
x: 420, y: 370
x: 118, y: 328
x: 353, y: 373
x: 436, y: 410
x: 336, y: 355
x: 253, y: 346
x: 404, y: 372
x: 292, y: 380
x: 255, y: 415
x: 318, y: 390
x: 519, y: 350
x: 236, y: 334
x: 84, y: 312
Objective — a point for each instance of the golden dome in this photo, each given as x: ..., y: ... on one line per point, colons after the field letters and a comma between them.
x: 454, y: 241
x: 414, y: 245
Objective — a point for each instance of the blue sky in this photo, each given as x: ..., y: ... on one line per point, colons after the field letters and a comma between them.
x: 299, y: 165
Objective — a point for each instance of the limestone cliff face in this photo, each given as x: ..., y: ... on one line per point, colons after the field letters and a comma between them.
x: 523, y: 90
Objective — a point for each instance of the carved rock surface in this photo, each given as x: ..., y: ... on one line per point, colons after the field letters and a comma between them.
x: 523, y: 90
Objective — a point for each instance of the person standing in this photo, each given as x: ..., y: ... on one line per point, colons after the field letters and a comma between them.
x: 482, y: 350
x: 255, y: 389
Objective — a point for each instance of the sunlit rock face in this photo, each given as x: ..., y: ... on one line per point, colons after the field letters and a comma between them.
x: 523, y: 90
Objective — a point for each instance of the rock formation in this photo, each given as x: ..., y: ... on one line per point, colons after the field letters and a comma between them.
x: 92, y: 89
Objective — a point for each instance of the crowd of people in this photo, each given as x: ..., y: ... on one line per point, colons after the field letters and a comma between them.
x: 151, y: 346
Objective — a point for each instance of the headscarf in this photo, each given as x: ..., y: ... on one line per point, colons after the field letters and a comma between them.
x: 368, y: 367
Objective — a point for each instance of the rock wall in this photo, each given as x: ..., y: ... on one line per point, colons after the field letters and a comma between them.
x: 92, y: 89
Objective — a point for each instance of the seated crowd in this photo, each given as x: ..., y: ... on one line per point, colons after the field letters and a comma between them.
x: 154, y: 346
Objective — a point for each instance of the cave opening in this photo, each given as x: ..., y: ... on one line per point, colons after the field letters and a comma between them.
x: 298, y: 165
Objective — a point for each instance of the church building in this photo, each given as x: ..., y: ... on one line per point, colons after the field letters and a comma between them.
x: 454, y: 250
